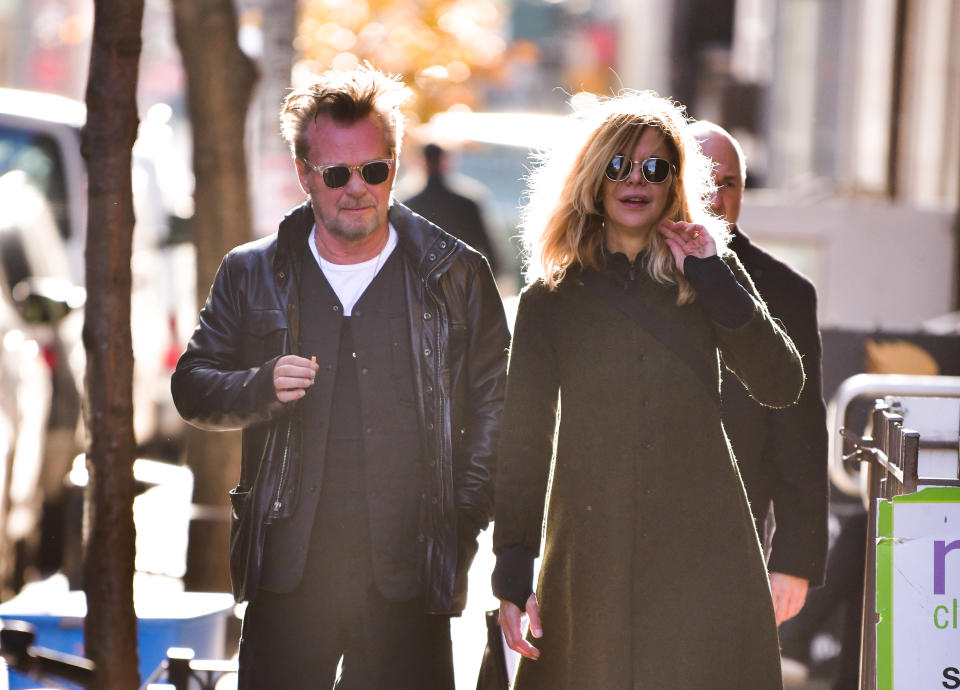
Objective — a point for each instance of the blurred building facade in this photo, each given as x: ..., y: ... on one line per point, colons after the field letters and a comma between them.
x: 849, y: 110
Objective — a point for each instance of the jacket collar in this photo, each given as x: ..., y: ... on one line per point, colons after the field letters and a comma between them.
x: 738, y: 239
x: 292, y: 235
x: 426, y: 245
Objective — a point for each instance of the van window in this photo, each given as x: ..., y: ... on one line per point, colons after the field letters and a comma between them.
x: 39, y: 156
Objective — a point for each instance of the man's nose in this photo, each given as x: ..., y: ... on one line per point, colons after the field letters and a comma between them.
x: 714, y: 200
x: 355, y: 184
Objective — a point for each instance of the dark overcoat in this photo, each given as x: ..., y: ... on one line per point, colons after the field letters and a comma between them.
x: 782, y: 454
x: 652, y: 575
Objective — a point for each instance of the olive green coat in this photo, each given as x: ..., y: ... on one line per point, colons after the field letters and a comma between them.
x: 652, y: 575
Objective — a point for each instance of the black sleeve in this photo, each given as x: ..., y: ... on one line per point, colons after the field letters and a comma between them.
x: 513, y: 575
x: 758, y: 352
x: 212, y: 387
x: 723, y: 298
x: 526, y: 445
x: 796, y: 449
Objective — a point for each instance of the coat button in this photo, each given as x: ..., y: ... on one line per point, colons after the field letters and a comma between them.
x: 429, y: 426
x: 336, y: 307
x: 429, y: 388
x: 364, y: 371
x: 427, y: 351
x: 443, y: 244
x: 427, y: 316
x: 432, y: 256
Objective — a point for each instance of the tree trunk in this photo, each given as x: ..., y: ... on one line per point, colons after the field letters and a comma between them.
x: 110, y: 628
x: 220, y: 81
x: 273, y: 172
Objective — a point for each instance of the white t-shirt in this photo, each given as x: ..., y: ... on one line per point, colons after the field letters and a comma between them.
x: 349, y: 281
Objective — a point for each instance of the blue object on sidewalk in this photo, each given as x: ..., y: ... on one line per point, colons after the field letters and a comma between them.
x: 196, y: 620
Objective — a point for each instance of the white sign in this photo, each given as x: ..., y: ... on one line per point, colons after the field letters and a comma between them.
x: 918, y: 591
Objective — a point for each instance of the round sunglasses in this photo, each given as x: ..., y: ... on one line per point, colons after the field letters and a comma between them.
x: 655, y: 170
x: 338, y: 174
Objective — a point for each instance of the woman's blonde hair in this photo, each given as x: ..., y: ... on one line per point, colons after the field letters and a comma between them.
x: 562, y: 222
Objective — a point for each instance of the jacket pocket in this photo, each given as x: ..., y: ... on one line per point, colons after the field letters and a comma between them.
x: 263, y: 336
x: 286, y: 451
x: 239, y: 500
x: 241, y: 540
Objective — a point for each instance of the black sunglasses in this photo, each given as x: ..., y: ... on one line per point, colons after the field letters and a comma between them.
x: 655, y: 170
x: 337, y: 175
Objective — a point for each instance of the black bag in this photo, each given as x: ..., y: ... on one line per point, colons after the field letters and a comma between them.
x: 493, y: 668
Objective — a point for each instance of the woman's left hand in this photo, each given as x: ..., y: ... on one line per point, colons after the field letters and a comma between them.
x: 687, y: 239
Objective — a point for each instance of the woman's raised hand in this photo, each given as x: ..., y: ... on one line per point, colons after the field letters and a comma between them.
x: 687, y: 239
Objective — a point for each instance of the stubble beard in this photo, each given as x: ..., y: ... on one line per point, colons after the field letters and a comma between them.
x: 347, y: 232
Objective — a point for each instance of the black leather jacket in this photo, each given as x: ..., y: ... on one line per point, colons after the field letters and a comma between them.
x: 224, y: 380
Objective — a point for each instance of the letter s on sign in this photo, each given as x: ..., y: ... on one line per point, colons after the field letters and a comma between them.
x: 952, y: 677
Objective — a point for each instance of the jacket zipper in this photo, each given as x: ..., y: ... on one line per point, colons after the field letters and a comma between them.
x: 438, y: 417
x: 277, y: 505
x: 284, y: 465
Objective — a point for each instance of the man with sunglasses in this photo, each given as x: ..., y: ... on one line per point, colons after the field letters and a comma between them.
x: 781, y: 453
x: 362, y: 350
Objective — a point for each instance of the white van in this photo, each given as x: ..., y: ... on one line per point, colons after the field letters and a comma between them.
x: 40, y: 135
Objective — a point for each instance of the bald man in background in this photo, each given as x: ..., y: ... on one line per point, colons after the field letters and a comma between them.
x: 781, y: 453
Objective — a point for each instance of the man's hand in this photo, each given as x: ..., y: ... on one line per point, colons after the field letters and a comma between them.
x: 789, y: 594
x: 292, y: 375
x: 510, y: 624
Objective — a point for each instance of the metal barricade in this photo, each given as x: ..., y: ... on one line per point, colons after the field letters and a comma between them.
x: 181, y: 671
x: 890, y: 455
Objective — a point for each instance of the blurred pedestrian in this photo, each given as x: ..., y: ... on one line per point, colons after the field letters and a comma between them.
x: 362, y: 352
x: 652, y: 574
x: 782, y: 454
x: 440, y: 204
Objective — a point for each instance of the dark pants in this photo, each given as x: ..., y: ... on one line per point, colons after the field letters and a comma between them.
x: 292, y: 642
x: 295, y: 640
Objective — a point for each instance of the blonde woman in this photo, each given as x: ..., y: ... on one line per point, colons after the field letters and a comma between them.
x: 652, y: 575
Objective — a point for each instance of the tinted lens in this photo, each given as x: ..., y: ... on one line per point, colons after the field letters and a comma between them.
x: 336, y: 176
x: 618, y: 169
x: 655, y: 170
x: 376, y: 172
